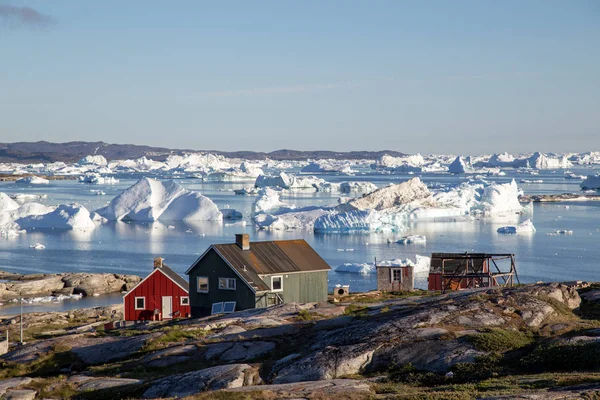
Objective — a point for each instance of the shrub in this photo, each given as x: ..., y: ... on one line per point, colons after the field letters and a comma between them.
x: 500, y: 340
x: 356, y: 311
x: 554, y: 357
x: 484, y: 367
x: 304, y: 315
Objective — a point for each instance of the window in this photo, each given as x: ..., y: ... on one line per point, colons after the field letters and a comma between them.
x: 227, y: 283
x: 217, y: 308
x: 140, y: 303
x: 228, y: 307
x: 184, y: 301
x: 276, y: 283
x: 396, y: 275
x: 202, y: 284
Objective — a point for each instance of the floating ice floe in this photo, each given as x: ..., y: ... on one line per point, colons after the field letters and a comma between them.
x: 286, y: 181
x: 98, y: 192
x: 248, y: 191
x: 63, y: 217
x: 37, y: 246
x: 412, y: 239
x: 151, y: 200
x: 23, y: 197
x: 571, y: 175
x: 49, y: 299
x: 230, y: 213
x: 32, y: 180
x: 347, y: 187
x: 560, y: 232
x: 531, y: 181
x: 328, y: 166
x: 97, y: 179
x: 524, y: 227
x: 458, y: 166
x: 592, y: 182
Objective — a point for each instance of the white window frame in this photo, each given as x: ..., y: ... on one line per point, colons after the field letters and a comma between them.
x: 187, y: 303
x: 392, y: 270
x: 136, y: 303
x: 198, y: 284
x: 280, y: 279
x: 227, y: 283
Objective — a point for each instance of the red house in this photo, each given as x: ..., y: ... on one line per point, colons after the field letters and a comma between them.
x: 163, y: 294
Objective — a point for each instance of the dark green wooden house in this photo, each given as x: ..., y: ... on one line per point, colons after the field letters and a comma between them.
x: 242, y: 275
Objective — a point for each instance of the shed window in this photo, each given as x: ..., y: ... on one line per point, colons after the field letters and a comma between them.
x: 227, y: 283
x: 184, y: 301
x: 228, y: 307
x: 396, y: 275
x: 202, y: 282
x: 277, y: 283
x: 140, y: 303
x: 217, y: 308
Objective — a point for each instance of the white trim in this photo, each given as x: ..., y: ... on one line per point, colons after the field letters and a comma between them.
x: 207, y: 285
x: 135, y: 306
x: 280, y: 280
x: 228, y: 280
x: 392, y: 270
x: 181, y: 303
x: 149, y: 275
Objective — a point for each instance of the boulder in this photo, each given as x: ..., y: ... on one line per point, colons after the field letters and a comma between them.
x: 23, y: 394
x: 94, y: 350
x: 214, y: 378
x: 105, y: 383
x: 332, y: 389
x: 11, y: 383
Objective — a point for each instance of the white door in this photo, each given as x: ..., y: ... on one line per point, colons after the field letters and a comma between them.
x: 167, y: 307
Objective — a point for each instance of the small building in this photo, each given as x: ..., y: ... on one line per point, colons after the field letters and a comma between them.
x: 395, y: 278
x: 456, y: 271
x: 237, y: 276
x: 162, y: 295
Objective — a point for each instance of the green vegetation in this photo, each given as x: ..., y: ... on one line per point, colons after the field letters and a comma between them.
x: 47, y: 365
x: 553, y: 357
x: 500, y: 340
x: 304, y: 315
x: 173, y: 335
x: 356, y: 311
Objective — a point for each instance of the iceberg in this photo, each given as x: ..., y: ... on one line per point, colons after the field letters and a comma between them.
x: 98, y: 160
x: 412, y: 239
x: 151, y: 200
x: 421, y: 265
x: 542, y: 161
x: 458, y: 166
x: 97, y: 179
x: 501, y: 160
x: 524, y: 227
x: 6, y: 203
x: 592, y: 182
x: 64, y: 216
x: 327, y: 166
x: 230, y: 213
x: 286, y: 181
x: 32, y: 180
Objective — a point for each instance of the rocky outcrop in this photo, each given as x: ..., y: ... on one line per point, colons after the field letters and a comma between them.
x: 93, y: 351
x: 214, y: 378
x: 67, y: 283
x: 332, y: 389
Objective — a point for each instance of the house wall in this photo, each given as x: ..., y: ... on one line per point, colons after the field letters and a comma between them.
x: 301, y: 287
x: 213, y: 267
x: 153, y: 289
x: 384, y: 279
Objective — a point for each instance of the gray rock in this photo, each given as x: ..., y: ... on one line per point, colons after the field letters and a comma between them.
x: 93, y: 350
x: 215, y: 350
x: 229, y: 331
x: 214, y: 378
x: 332, y: 389
x: 7, y: 384
x: 171, y: 355
x: 104, y: 383
x: 23, y: 394
x: 247, y: 351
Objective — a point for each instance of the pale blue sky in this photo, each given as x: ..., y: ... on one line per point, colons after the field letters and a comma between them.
x: 415, y: 76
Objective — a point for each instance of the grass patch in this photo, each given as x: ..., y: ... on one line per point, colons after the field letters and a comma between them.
x: 46, y: 365
x: 173, y: 335
x: 355, y: 310
x: 500, y: 340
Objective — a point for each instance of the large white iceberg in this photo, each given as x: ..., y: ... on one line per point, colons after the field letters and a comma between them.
x: 286, y: 181
x: 327, y: 166
x: 151, y: 200
x: 592, y: 182
x: 421, y: 265
x: 32, y: 180
x: 458, y: 166
x: 98, y: 160
x: 65, y: 216
x: 543, y: 161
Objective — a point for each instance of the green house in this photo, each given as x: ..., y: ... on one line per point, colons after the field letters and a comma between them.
x: 242, y: 275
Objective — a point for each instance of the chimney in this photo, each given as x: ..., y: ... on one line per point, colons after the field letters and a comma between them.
x: 158, y: 262
x: 243, y: 241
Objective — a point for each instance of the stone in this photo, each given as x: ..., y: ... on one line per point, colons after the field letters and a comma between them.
x: 245, y: 351
x: 7, y: 384
x: 229, y: 331
x: 171, y: 355
x: 213, y: 378
x: 23, y: 394
x: 332, y: 389
x: 105, y: 383
x: 93, y: 350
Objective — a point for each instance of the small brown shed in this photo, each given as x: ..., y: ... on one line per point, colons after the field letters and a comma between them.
x: 395, y: 278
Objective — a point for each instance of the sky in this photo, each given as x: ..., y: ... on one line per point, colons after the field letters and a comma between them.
x: 451, y: 77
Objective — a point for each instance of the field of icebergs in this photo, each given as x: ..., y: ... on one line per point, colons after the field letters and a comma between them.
x: 112, y: 215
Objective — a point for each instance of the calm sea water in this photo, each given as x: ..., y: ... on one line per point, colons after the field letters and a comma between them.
x: 129, y: 248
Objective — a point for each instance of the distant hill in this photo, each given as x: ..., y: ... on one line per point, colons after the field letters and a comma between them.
x: 46, y: 152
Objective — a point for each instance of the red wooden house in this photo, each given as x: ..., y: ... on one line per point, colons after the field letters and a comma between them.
x: 163, y: 294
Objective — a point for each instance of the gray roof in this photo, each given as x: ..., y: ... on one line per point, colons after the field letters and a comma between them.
x: 175, y: 277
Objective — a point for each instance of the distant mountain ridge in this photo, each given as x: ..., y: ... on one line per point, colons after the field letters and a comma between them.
x: 46, y: 152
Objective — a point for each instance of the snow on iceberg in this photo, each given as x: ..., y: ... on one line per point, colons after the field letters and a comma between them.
x: 421, y: 265
x: 97, y: 179
x: 98, y: 160
x: 286, y: 181
x: 32, y: 180
x: 458, y: 166
x: 268, y: 201
x: 524, y: 227
x: 6, y: 203
x: 543, y: 161
x: 412, y: 239
x: 151, y: 200
x: 592, y: 182
x: 501, y: 160
x: 64, y: 216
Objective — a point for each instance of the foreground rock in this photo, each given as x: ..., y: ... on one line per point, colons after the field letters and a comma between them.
x: 335, y: 388
x: 214, y: 378
x: 68, y: 283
